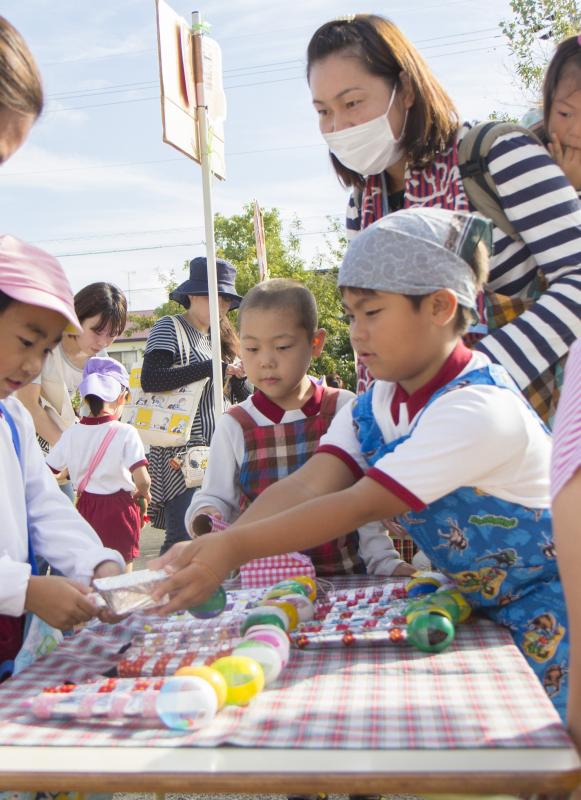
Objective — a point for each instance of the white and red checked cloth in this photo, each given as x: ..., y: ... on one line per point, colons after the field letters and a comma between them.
x: 266, y: 571
x: 480, y: 693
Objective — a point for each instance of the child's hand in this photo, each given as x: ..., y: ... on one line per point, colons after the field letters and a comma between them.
x: 197, y: 569
x: 106, y: 569
x: 144, y: 493
x: 61, y: 602
x: 569, y: 159
x: 405, y: 570
x: 236, y: 370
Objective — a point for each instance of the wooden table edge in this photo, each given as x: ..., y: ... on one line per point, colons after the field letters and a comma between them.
x: 254, y: 770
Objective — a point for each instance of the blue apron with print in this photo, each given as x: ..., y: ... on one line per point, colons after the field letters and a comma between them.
x: 501, y: 554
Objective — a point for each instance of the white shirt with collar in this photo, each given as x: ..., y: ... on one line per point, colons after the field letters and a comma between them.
x: 33, y: 500
x: 479, y: 436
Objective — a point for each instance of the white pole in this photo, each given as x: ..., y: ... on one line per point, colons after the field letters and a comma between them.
x: 202, y: 114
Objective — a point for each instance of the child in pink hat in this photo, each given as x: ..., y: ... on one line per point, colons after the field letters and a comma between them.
x: 36, y: 305
x: 106, y: 459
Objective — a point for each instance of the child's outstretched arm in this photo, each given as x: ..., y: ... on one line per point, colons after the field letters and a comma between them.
x: 220, y: 491
x: 142, y: 482
x: 203, y: 564
x: 377, y: 550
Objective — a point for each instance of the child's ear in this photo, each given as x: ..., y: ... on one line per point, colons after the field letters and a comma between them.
x: 444, y: 304
x: 318, y: 342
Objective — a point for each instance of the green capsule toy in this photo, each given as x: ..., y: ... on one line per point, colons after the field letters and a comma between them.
x: 212, y: 607
x: 430, y: 631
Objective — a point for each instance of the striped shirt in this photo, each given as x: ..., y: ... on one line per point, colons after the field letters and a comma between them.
x: 567, y: 438
x: 544, y: 209
x: 167, y: 483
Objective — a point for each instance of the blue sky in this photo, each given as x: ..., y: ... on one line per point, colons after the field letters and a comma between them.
x: 95, y: 176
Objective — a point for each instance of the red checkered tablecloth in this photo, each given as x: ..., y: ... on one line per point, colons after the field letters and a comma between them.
x: 480, y: 693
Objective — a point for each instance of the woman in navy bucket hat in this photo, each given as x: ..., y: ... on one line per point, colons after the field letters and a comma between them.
x: 163, y: 371
x: 197, y: 284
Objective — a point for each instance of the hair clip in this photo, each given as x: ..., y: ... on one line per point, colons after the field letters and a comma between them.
x: 345, y: 18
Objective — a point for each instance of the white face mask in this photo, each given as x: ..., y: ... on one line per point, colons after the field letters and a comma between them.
x: 369, y: 148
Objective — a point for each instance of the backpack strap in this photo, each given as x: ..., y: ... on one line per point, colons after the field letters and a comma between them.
x: 97, y: 458
x: 473, y: 152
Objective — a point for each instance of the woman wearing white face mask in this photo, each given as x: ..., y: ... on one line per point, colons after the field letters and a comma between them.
x: 393, y: 135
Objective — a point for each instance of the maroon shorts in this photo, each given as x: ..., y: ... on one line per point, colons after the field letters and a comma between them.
x: 116, y: 519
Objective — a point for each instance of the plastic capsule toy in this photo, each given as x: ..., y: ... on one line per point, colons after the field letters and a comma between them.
x: 422, y: 585
x: 212, y: 607
x: 265, y: 615
x: 430, y: 631
x: 244, y: 677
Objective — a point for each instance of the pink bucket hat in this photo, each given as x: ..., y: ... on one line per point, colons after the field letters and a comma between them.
x: 30, y: 275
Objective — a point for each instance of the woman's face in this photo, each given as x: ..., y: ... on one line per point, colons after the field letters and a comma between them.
x: 91, y: 341
x: 14, y: 128
x: 345, y: 94
x: 199, y: 311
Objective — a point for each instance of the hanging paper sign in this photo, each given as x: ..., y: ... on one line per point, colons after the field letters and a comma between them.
x: 178, y: 88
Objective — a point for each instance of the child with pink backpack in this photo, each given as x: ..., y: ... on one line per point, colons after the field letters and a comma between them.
x: 106, y: 459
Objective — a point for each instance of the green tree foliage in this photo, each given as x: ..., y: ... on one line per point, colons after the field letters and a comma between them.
x: 534, y: 30
x: 235, y: 242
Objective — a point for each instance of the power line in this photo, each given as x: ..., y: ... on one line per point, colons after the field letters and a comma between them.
x: 118, y: 164
x: 160, y: 230
x: 160, y: 246
x: 268, y: 65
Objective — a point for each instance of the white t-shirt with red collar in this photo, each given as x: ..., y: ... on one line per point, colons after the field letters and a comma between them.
x: 478, y: 436
x: 221, y: 486
x: 78, y: 445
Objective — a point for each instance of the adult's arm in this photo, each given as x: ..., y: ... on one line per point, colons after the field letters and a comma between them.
x: 545, y: 210
x: 29, y: 396
x: 158, y: 374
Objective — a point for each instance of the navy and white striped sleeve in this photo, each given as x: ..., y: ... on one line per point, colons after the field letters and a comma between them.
x: 545, y: 210
x: 163, y: 337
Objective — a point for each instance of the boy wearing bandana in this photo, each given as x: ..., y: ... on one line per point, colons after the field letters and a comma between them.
x: 442, y: 436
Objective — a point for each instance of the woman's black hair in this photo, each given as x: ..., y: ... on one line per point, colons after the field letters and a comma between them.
x: 106, y: 301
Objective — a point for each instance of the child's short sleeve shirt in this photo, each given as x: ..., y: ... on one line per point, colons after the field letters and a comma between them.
x: 77, y: 446
x: 478, y: 436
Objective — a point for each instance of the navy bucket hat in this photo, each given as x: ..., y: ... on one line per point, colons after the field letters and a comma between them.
x: 197, y: 283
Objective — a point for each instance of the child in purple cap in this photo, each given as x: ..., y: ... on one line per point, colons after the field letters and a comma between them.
x: 36, y: 303
x: 106, y: 459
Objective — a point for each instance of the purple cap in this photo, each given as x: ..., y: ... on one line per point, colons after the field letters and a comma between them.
x: 105, y: 378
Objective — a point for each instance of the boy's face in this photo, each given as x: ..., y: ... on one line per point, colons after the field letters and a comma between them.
x: 394, y: 340
x: 27, y: 334
x: 277, y: 351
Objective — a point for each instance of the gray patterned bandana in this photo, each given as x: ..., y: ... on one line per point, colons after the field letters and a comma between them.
x: 417, y: 251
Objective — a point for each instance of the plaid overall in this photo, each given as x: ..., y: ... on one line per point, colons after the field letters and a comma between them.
x: 499, y: 553
x: 272, y: 452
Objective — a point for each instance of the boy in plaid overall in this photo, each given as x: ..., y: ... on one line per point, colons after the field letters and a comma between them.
x: 273, y: 433
x: 442, y: 437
